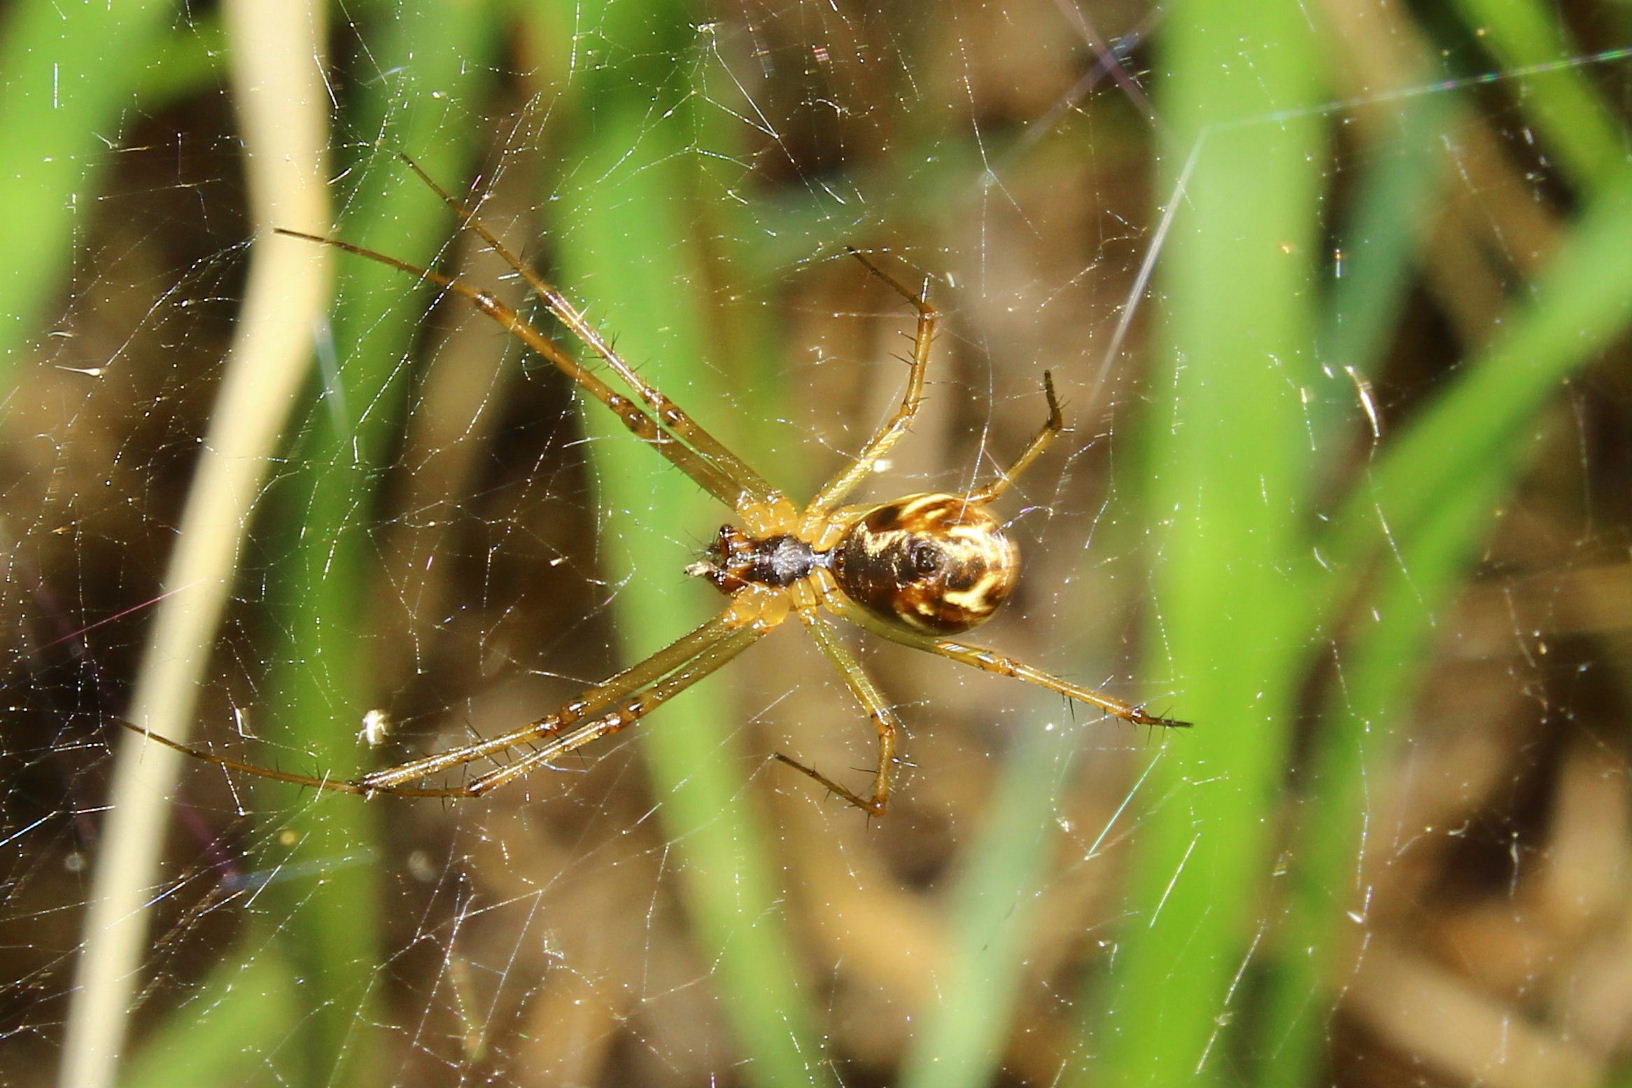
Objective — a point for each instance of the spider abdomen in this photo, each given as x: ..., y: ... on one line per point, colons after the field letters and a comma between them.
x: 932, y: 562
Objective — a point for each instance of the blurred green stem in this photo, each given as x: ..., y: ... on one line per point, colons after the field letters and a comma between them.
x: 319, y: 686
x: 66, y: 72
x: 632, y: 221
x: 1230, y: 468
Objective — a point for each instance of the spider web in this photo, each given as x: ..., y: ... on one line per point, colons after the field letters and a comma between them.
x: 1422, y: 793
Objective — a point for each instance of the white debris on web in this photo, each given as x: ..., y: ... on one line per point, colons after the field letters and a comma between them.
x: 376, y: 727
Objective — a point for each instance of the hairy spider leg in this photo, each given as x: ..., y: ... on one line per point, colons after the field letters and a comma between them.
x: 892, y: 429
x: 592, y: 701
x: 753, y: 490
x: 337, y: 785
x: 711, y: 658
x: 708, y: 475
x: 872, y: 700
x: 635, y: 692
x: 991, y: 661
x: 1052, y: 426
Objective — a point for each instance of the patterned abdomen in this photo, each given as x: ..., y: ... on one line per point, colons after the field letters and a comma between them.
x: 930, y: 563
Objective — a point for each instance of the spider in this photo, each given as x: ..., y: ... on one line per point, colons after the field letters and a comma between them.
x: 917, y: 570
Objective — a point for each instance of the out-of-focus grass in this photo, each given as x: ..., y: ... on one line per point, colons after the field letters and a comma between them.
x: 65, y: 74
x: 1559, y: 99
x: 1427, y: 506
x: 632, y: 221
x: 1229, y: 473
x: 1236, y: 459
x: 962, y: 1039
x: 1247, y: 612
x: 437, y: 54
x: 323, y: 929
x: 240, y: 1013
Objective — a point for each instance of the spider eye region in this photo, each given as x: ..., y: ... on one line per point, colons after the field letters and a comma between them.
x: 932, y: 562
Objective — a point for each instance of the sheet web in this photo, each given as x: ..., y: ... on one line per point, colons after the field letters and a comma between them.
x: 449, y: 541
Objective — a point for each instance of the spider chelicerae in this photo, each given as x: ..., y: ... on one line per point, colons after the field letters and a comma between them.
x: 916, y: 570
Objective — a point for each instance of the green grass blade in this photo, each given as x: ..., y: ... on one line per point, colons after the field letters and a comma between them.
x: 66, y: 71
x: 1422, y: 514
x: 629, y: 224
x: 1526, y: 36
x: 1382, y: 673
x: 242, y: 1012
x: 1228, y: 455
x: 187, y: 63
x: 960, y: 1041
x: 1576, y: 306
x: 329, y: 928
x: 1379, y: 243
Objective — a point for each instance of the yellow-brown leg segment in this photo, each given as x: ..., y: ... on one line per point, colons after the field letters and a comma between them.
x: 1039, y: 442
x: 633, y: 693
x: 710, y: 449
x: 878, y: 710
x: 992, y: 661
x: 592, y: 701
x: 714, y: 479
x: 633, y: 709
x: 885, y: 438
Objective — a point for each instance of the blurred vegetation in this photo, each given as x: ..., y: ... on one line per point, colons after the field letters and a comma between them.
x: 1366, y: 389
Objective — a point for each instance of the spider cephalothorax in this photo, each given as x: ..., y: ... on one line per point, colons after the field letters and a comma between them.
x: 913, y: 570
x: 738, y: 559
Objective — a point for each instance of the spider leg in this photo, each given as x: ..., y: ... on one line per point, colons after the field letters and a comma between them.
x: 639, y: 689
x: 632, y: 710
x: 334, y: 784
x: 890, y: 432
x: 992, y: 661
x: 710, y: 449
x: 1039, y: 442
x: 592, y: 701
x: 872, y: 700
x: 1003, y: 665
x: 708, y: 475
